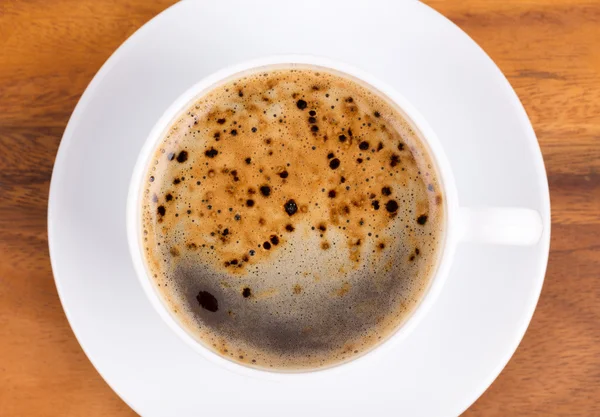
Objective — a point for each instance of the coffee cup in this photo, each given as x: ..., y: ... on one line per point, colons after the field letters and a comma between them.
x: 485, y: 225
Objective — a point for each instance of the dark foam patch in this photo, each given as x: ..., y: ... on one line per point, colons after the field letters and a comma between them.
x: 295, y: 324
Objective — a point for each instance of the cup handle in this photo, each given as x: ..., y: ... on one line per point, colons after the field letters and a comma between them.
x: 500, y: 225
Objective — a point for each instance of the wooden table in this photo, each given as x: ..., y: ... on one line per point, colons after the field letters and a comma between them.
x: 550, y: 51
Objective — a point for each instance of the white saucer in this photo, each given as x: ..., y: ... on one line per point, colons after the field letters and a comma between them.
x: 484, y: 309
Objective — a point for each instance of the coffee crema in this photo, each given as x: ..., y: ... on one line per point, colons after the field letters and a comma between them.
x: 291, y: 218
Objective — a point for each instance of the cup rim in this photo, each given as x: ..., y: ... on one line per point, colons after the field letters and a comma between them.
x: 411, y: 115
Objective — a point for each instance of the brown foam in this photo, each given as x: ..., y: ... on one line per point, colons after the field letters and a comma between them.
x: 305, y: 205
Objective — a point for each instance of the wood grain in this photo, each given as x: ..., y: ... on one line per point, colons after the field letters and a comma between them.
x: 550, y: 52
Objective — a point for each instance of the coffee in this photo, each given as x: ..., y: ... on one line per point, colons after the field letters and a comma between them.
x: 291, y: 218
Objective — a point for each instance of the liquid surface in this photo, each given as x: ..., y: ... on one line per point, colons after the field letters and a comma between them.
x: 291, y: 219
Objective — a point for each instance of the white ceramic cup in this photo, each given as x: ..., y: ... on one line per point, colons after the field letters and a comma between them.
x: 488, y: 225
